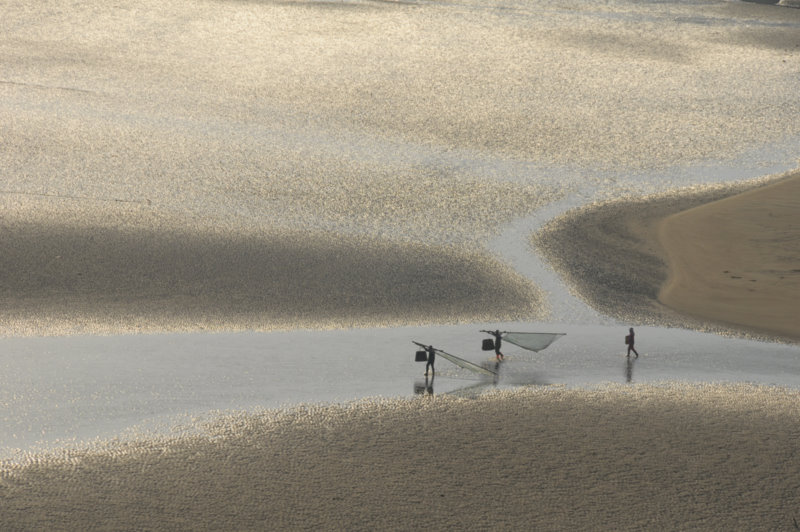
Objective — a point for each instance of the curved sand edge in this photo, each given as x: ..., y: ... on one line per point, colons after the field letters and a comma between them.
x: 737, y: 260
x: 609, y: 254
x: 612, y: 256
x: 618, y: 457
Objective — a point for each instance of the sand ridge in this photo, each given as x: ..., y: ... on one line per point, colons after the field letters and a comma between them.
x: 622, y: 457
x: 138, y: 276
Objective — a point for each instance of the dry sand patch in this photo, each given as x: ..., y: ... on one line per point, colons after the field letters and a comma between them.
x: 721, y: 258
x: 737, y: 260
x: 609, y: 254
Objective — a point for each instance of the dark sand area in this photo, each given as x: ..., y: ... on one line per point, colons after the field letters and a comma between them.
x: 712, y: 457
x: 65, y: 279
x: 617, y: 255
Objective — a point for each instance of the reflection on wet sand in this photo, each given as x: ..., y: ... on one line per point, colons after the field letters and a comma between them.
x: 506, y: 375
x: 629, y: 362
x: 424, y: 387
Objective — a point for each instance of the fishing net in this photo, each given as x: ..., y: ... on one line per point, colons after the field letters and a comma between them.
x: 531, y: 341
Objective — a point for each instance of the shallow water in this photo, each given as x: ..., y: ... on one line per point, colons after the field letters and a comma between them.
x: 468, y: 124
x: 69, y: 391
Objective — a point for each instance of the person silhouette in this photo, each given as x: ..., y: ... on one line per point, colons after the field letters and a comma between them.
x: 431, y: 359
x: 497, y: 343
x: 630, y: 340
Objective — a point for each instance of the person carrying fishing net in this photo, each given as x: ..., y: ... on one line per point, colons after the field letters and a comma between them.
x: 497, y: 343
x: 431, y: 359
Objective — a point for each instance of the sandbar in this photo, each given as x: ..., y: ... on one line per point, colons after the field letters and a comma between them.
x: 722, y: 258
x: 737, y: 260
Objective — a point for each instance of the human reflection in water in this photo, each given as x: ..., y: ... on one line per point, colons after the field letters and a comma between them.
x: 424, y: 388
x: 496, y: 376
x: 629, y: 369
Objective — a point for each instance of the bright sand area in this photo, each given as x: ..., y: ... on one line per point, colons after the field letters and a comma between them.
x: 737, y: 260
x: 622, y: 457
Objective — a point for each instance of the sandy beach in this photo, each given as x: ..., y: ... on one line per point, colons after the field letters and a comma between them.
x: 208, y: 208
x: 689, y: 259
x: 736, y: 260
x: 626, y: 458
x: 612, y: 258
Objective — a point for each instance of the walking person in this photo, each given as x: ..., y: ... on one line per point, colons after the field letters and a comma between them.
x: 629, y: 340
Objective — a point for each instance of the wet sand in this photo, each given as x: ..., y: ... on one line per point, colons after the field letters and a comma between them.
x: 636, y: 457
x: 610, y: 255
x: 721, y: 258
x: 737, y: 260
x: 262, y: 123
x: 72, y: 279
